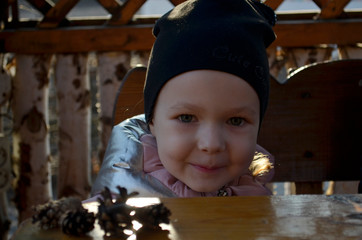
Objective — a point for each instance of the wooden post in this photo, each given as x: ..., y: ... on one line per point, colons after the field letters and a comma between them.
x: 112, y: 67
x: 347, y: 187
x: 30, y: 136
x: 5, y: 166
x: 73, y: 92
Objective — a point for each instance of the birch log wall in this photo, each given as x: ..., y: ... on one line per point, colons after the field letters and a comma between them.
x: 30, y: 132
x: 112, y: 67
x: 61, y: 47
x: 73, y: 91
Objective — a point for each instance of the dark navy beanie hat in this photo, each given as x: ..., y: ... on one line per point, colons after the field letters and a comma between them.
x: 222, y: 35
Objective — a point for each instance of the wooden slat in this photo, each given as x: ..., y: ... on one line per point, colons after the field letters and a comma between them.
x: 139, y: 37
x: 128, y: 10
x: 14, y: 11
x: 309, y: 33
x: 331, y: 9
x: 112, y: 7
x: 57, y: 13
x: 77, y: 40
x: 274, y: 4
x: 176, y: 2
x: 4, y: 15
x: 41, y: 5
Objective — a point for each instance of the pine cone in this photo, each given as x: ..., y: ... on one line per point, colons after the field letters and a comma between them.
x: 49, y: 214
x: 123, y: 195
x: 78, y: 222
x: 115, y: 216
x: 153, y: 215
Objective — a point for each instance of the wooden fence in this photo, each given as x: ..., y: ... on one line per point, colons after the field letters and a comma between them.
x: 54, y: 47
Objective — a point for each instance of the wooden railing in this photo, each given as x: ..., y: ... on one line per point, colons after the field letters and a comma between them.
x: 59, y: 48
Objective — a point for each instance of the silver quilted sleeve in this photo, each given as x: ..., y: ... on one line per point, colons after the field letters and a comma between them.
x: 123, y: 162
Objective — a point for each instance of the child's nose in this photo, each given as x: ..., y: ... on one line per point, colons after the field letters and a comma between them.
x: 211, y: 139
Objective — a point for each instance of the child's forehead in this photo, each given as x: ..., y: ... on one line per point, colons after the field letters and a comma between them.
x: 200, y: 79
x: 206, y: 73
x: 208, y: 94
x: 207, y: 85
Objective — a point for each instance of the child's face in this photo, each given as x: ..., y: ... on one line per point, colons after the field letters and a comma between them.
x: 206, y: 125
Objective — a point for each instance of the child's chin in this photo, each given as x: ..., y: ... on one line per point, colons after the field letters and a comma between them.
x: 205, y: 189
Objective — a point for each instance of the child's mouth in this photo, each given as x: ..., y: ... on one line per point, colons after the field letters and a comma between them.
x: 206, y: 169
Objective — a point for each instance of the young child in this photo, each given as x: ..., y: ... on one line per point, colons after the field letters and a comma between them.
x: 205, y: 96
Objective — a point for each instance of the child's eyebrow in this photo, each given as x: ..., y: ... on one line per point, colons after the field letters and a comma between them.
x: 237, y: 110
x: 244, y: 110
x: 184, y: 105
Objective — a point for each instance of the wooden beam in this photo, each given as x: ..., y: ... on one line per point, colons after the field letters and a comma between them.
x: 331, y: 9
x: 112, y: 7
x: 274, y: 4
x: 128, y: 10
x: 41, y: 5
x: 139, y: 37
x: 176, y: 2
x: 57, y: 13
x: 70, y: 40
x: 311, y: 33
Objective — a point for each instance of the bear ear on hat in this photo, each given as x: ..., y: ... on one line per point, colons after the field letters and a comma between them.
x: 266, y: 11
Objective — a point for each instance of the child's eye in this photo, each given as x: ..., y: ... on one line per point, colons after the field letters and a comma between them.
x: 236, y: 121
x: 186, y: 118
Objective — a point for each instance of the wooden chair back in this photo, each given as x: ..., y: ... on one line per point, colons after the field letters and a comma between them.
x: 313, y: 125
x: 129, y: 100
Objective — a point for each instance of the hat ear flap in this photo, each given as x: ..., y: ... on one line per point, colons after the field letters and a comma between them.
x: 266, y: 11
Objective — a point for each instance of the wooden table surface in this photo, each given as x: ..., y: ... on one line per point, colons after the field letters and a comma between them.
x: 276, y: 217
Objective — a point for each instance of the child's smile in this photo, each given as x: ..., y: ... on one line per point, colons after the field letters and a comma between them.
x: 207, y: 169
x: 206, y: 124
